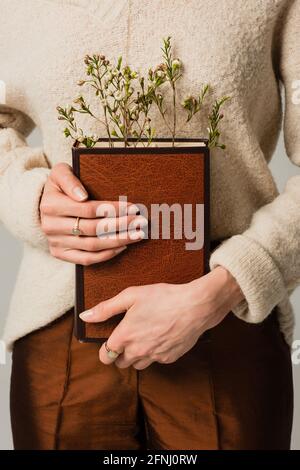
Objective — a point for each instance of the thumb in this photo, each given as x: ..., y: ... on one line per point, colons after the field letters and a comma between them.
x: 63, y: 177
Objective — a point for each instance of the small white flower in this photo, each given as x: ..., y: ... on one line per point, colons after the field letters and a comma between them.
x: 118, y: 96
x: 80, y: 138
x: 176, y: 63
x: 160, y: 73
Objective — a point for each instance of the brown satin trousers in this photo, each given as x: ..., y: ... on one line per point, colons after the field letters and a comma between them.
x: 232, y: 390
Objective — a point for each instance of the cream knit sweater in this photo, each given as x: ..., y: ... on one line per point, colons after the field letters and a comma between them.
x: 244, y: 48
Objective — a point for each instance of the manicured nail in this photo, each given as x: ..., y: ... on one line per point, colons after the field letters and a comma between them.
x: 80, y: 193
x: 141, y: 221
x: 85, y: 315
x: 119, y: 250
x: 141, y: 234
x: 133, y: 209
x: 137, y: 235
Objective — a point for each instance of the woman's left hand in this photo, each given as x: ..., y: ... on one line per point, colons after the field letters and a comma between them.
x: 164, y: 321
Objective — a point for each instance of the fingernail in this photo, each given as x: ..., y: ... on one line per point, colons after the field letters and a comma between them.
x: 80, y: 193
x: 141, y: 221
x: 86, y: 314
x: 133, y: 209
x: 141, y: 234
x: 137, y: 235
x: 119, y: 250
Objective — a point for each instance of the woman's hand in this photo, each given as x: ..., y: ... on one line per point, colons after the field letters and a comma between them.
x: 164, y: 321
x: 64, y: 199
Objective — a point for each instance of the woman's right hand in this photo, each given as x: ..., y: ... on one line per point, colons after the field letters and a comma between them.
x: 64, y: 199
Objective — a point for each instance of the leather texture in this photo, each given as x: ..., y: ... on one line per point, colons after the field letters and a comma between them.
x: 155, y: 176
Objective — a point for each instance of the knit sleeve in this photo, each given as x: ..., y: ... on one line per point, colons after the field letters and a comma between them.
x: 23, y: 173
x: 265, y: 259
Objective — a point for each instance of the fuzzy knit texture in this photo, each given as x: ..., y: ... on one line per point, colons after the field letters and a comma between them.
x: 246, y: 49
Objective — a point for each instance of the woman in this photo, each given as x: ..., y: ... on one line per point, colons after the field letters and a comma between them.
x: 207, y: 364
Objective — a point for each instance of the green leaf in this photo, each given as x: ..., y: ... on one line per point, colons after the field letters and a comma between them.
x: 120, y: 59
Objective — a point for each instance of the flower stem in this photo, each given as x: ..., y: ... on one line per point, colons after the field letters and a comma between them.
x: 99, y: 79
x: 174, y: 114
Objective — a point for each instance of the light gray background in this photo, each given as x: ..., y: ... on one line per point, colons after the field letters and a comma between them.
x: 10, y: 253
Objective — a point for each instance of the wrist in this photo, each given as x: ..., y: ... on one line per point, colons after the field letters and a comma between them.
x: 218, y: 289
x: 228, y: 284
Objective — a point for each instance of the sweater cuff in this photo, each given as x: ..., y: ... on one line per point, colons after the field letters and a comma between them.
x: 19, y: 208
x: 256, y: 273
x: 23, y: 172
x: 30, y: 226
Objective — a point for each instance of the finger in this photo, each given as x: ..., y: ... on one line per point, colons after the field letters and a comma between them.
x: 85, y: 258
x: 63, y: 177
x: 129, y: 357
x: 59, y: 226
x: 117, y: 224
x: 93, y: 244
x: 116, y: 208
x: 108, y: 308
x: 142, y: 364
x: 103, y: 354
x: 118, y: 341
x: 125, y: 360
x: 58, y: 204
x: 54, y: 225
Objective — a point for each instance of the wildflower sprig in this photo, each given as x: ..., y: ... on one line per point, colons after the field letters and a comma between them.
x: 73, y: 130
x: 193, y: 105
x: 173, y: 69
x: 214, y: 120
x: 127, y: 100
x: 126, y: 106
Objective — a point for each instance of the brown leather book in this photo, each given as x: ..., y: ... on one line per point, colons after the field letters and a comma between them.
x: 149, y: 176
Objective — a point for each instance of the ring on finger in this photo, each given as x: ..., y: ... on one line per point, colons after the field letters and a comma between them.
x: 110, y: 353
x: 76, y: 230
